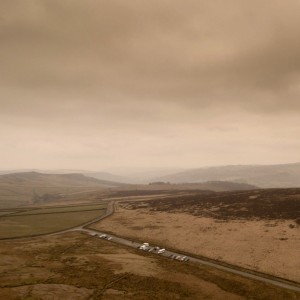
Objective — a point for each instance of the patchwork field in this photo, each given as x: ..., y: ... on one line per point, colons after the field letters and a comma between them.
x: 41, y: 220
x: 255, y: 229
x: 78, y: 266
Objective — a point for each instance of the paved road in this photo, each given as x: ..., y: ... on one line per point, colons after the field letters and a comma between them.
x: 134, y: 244
x: 110, y: 209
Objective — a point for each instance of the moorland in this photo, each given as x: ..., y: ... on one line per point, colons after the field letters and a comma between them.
x: 257, y: 229
x: 78, y: 266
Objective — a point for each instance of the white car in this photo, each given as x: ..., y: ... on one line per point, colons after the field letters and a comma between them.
x: 102, y: 236
x: 160, y: 251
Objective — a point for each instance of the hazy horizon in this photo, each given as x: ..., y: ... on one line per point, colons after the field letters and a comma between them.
x: 151, y: 172
x: 99, y: 85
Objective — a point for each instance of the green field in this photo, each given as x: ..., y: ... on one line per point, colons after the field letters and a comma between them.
x: 24, y: 225
x: 24, y: 195
x: 59, y: 209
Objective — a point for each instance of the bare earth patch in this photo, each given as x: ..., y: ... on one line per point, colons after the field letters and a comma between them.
x: 269, y: 246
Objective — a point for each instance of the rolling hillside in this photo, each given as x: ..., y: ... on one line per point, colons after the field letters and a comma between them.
x: 264, y: 176
x: 31, y: 187
x: 108, y: 177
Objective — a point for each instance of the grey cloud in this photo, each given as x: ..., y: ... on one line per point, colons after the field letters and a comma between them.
x: 150, y: 71
x: 205, y: 52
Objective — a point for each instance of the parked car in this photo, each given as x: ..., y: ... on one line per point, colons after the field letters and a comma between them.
x: 160, y: 251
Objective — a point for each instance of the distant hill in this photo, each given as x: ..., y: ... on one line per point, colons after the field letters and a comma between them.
x: 31, y: 187
x: 264, y: 176
x: 104, y: 176
x: 36, y: 179
x: 108, y: 177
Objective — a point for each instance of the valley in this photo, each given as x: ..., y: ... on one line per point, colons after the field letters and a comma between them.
x: 256, y: 230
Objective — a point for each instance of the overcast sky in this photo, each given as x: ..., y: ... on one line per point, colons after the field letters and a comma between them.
x: 136, y: 83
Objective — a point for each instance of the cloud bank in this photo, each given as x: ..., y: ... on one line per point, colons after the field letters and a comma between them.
x: 99, y: 84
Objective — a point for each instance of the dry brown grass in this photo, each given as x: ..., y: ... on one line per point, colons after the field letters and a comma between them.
x: 267, y: 246
x: 77, y: 266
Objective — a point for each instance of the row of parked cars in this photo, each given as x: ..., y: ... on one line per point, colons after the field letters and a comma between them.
x: 156, y: 249
x: 148, y: 248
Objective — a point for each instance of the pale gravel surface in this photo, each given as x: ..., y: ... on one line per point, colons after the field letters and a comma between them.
x: 267, y: 246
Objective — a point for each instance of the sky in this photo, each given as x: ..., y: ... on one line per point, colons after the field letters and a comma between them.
x: 101, y: 85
